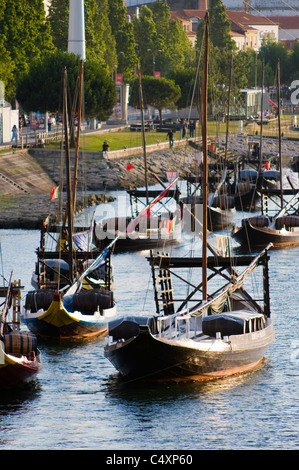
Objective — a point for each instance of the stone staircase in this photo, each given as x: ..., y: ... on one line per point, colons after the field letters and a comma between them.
x: 21, y: 174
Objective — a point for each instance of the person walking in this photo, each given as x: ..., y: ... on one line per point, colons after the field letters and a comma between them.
x: 105, y: 149
x: 192, y: 128
x: 184, y: 129
x: 50, y: 122
x: 14, y: 134
x: 170, y: 137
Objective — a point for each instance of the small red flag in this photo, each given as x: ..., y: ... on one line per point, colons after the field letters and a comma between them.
x: 54, y: 193
x: 129, y: 166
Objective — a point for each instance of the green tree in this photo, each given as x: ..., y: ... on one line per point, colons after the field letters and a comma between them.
x: 163, y: 44
x: 147, y: 40
x: 99, y: 95
x: 270, y: 52
x: 185, y: 78
x: 58, y: 21
x: 100, y: 43
x: 181, y: 54
x: 157, y: 92
x: 7, y: 68
x: 24, y: 35
x: 294, y: 62
x: 220, y: 27
x: 125, y: 40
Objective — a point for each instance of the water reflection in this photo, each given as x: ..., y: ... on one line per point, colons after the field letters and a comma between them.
x: 116, y: 386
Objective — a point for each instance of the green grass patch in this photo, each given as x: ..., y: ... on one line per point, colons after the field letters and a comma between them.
x: 118, y: 140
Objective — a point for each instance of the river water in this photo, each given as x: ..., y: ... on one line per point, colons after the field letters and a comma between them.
x: 78, y: 401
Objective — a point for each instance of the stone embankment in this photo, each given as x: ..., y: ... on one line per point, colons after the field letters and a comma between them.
x: 27, y: 177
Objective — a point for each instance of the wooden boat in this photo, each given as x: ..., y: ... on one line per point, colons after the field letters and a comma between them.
x: 221, y: 207
x: 227, y: 334
x: 144, y: 229
x: 148, y: 228
x: 73, y: 296
x: 20, y: 359
x: 222, y: 333
x: 295, y: 163
x: 281, y: 229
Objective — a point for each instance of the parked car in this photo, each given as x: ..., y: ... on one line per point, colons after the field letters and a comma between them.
x: 167, y: 124
x: 148, y: 126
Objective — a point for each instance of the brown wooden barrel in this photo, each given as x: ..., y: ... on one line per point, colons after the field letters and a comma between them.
x: 287, y: 221
x: 258, y: 221
x: 20, y: 343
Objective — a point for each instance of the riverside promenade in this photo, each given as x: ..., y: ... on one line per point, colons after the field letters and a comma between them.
x: 28, y: 175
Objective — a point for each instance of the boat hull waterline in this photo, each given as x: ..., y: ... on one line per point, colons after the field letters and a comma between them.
x: 57, y: 323
x: 250, y: 236
x: 148, y: 357
x: 15, y: 371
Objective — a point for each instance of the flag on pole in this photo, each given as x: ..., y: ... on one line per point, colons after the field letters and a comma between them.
x: 129, y: 166
x: 170, y: 226
x: 272, y: 102
x: 46, y: 221
x: 132, y: 224
x: 54, y: 193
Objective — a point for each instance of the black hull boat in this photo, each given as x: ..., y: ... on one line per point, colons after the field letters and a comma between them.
x: 194, y: 344
x: 258, y: 232
x: 281, y: 230
x: 145, y: 229
x: 207, y: 333
x: 73, y: 297
x: 148, y: 357
x: 294, y: 164
x: 220, y: 214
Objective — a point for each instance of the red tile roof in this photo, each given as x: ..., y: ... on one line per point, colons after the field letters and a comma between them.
x: 286, y: 22
x: 236, y: 16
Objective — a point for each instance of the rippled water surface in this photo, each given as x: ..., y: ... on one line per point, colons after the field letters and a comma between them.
x: 79, y: 402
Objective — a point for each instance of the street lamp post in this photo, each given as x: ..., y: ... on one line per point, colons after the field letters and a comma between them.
x: 154, y: 61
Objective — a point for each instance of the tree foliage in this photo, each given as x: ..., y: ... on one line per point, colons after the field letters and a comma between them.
x: 41, y: 88
x: 100, y: 42
x: 124, y: 38
x: 163, y: 44
x: 24, y: 36
x: 157, y: 92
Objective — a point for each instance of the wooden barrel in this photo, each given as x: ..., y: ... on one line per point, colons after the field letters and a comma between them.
x: 19, y: 343
x: 224, y: 202
x: 258, y: 221
x: 287, y: 221
x: 38, y: 299
x: 88, y: 302
x: 243, y: 187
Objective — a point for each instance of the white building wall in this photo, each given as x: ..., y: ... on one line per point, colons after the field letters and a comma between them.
x: 8, y: 117
x: 264, y: 31
x: 288, y: 35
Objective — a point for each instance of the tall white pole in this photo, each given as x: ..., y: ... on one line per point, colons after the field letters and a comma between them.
x: 76, y: 39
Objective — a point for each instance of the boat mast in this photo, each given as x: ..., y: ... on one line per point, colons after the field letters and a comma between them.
x: 279, y: 132
x: 143, y: 131
x: 205, y: 164
x: 228, y: 108
x: 68, y: 179
x: 261, y: 131
x: 75, y: 180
